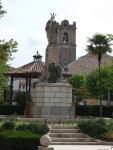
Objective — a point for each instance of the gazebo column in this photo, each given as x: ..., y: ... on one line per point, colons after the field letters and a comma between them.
x: 29, y: 84
x: 26, y: 84
x: 11, y: 89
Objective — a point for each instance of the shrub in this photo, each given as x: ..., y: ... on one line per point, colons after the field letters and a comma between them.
x: 9, y: 124
x: 108, y: 136
x: 10, y: 109
x: 22, y: 98
x: 93, y: 110
x: 34, y: 128
x: 19, y: 140
x: 94, y: 128
x: 111, y: 126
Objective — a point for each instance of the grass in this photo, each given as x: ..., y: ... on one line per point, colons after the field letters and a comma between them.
x: 19, y: 135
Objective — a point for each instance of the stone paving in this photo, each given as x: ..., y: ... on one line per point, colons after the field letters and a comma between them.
x: 82, y: 147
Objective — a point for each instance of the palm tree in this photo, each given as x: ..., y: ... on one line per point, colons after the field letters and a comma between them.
x: 99, y: 44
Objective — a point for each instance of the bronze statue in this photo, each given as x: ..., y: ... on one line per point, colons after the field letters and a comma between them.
x: 51, y: 30
x: 55, y: 72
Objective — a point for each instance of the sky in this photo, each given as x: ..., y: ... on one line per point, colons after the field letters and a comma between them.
x: 25, y: 22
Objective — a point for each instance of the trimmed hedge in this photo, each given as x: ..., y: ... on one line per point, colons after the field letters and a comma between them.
x: 11, y: 109
x: 107, y: 111
x: 19, y: 143
x: 34, y: 128
x: 23, y: 137
x: 94, y: 128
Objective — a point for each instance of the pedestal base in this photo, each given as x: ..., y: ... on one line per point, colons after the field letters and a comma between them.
x: 52, y: 100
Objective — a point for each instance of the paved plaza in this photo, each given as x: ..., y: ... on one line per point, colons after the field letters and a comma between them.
x: 82, y: 147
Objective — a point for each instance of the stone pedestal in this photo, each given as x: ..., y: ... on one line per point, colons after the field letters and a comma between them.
x: 52, y: 100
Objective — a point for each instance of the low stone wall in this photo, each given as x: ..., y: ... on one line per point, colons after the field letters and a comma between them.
x: 52, y: 100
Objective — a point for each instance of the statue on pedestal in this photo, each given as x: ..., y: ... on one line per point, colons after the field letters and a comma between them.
x: 51, y: 30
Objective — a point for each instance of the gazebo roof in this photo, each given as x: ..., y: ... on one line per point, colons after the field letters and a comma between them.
x: 34, y: 69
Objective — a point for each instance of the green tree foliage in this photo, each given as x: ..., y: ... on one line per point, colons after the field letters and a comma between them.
x: 100, y: 44
x: 2, y: 12
x: 92, y: 82
x: 7, y: 48
x: 78, y: 83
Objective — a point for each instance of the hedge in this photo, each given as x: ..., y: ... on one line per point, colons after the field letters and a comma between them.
x: 19, y: 144
x: 94, y: 128
x: 11, y: 109
x: 107, y: 111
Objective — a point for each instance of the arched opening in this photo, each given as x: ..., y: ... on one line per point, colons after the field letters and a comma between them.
x: 65, y: 37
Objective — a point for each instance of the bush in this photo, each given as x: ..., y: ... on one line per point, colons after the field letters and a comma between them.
x: 22, y: 97
x: 9, y: 124
x: 94, y: 128
x: 93, y: 110
x: 34, y: 128
x: 19, y: 140
x: 108, y: 136
x: 10, y: 109
x: 25, y: 136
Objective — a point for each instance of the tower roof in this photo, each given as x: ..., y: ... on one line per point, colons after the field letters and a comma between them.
x: 37, y: 57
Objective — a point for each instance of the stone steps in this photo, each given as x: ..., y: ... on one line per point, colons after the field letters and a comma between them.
x: 78, y: 143
x: 65, y: 130
x: 67, y: 135
x: 71, y: 139
x: 70, y: 135
x: 64, y: 127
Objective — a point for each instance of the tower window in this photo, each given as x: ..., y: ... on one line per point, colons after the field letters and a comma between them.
x: 65, y: 37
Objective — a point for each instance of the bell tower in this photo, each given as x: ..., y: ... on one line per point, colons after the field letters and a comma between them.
x: 61, y: 48
x: 66, y: 42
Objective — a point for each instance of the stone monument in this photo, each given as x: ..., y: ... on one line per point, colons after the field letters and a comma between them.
x: 54, y: 99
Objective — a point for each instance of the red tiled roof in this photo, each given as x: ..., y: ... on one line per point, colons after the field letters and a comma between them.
x: 33, y: 67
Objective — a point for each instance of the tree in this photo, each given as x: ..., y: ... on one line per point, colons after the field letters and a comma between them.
x: 77, y: 81
x: 92, y: 82
x: 7, y: 48
x: 100, y: 44
x: 2, y: 12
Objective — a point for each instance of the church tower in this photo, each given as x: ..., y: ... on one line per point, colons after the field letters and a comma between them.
x: 66, y: 42
x: 61, y: 37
